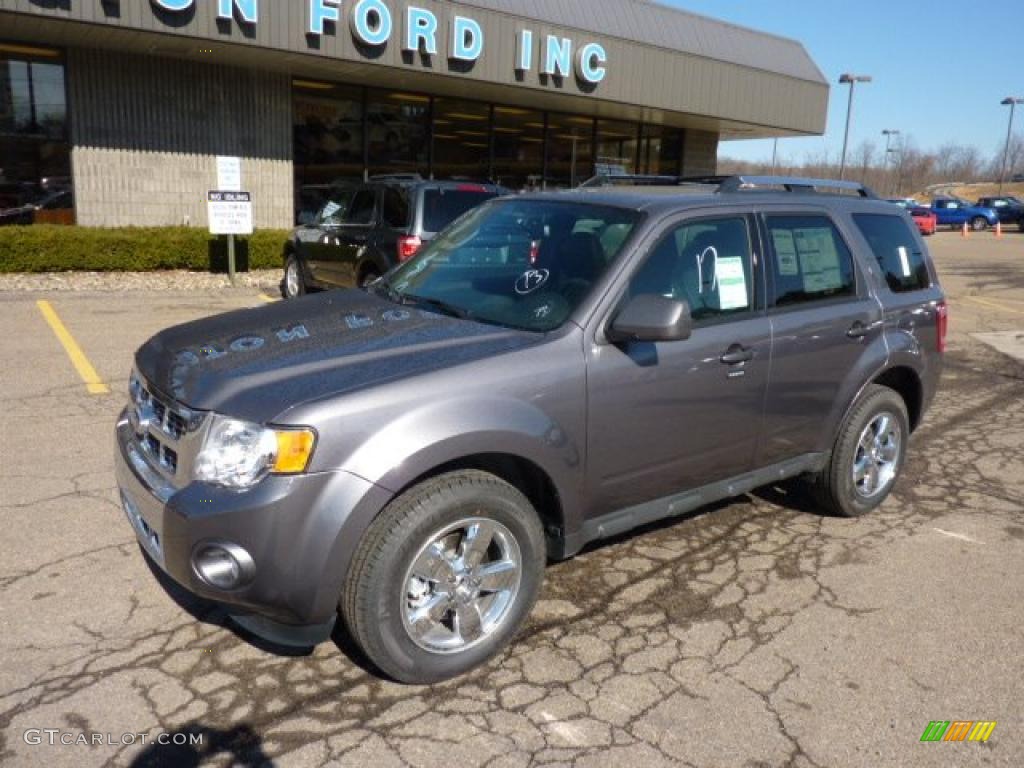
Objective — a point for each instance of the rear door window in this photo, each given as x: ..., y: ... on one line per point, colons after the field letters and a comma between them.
x: 395, y: 211
x: 897, y: 251
x: 443, y: 206
x: 363, y: 207
x: 810, y: 262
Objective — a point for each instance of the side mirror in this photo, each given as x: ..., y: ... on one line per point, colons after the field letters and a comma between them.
x: 649, y: 317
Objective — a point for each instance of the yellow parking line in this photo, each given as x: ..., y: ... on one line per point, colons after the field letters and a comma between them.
x: 78, y: 358
x: 994, y: 305
x: 268, y: 299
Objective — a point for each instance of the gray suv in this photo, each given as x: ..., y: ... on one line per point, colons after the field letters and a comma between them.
x: 552, y: 370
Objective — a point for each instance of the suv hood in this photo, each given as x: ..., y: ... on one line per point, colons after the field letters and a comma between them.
x: 256, y: 363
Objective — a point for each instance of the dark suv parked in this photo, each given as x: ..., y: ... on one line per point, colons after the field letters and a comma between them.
x: 363, y: 230
x: 552, y: 370
x: 1008, y: 208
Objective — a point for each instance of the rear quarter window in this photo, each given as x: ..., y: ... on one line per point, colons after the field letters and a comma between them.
x: 896, y: 250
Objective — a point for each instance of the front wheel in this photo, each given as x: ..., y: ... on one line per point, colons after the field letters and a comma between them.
x: 868, y: 455
x: 293, y: 285
x: 445, y: 577
x: 979, y: 224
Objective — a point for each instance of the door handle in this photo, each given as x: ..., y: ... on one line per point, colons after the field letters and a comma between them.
x: 737, y: 355
x: 859, y: 330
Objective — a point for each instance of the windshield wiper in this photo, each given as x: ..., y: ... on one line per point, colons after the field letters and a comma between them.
x: 438, y: 304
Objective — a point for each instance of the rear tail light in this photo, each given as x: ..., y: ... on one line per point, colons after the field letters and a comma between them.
x: 408, y: 247
x: 942, y: 324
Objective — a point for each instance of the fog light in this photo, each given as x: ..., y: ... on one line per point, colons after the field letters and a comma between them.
x: 222, y: 565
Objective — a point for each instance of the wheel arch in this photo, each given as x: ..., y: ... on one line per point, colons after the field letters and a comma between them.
x: 906, y: 382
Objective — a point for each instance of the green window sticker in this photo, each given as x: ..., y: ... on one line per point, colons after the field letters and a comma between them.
x: 732, y: 283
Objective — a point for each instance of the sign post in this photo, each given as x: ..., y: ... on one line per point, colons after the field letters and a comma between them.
x: 230, y: 213
x: 229, y: 179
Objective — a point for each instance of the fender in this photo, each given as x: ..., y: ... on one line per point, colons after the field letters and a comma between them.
x: 895, y: 348
x: 439, y: 433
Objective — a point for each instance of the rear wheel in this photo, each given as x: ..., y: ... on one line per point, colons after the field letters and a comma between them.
x: 868, y: 455
x: 979, y: 224
x: 445, y: 577
x: 294, y: 284
x: 369, y: 275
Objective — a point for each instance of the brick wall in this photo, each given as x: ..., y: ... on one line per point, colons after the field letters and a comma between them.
x: 146, y: 132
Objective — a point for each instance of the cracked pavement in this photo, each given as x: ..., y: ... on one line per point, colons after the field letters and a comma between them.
x: 751, y: 633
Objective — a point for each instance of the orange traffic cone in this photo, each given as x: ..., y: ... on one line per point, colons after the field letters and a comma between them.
x: 964, y: 231
x: 999, y: 229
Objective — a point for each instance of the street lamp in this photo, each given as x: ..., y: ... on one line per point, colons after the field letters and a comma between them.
x: 888, y: 133
x: 851, y: 80
x: 1011, y: 102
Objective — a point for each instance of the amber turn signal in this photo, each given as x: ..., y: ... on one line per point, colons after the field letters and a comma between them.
x: 294, y: 450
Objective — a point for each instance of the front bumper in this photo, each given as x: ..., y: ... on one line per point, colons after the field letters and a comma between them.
x: 300, y: 532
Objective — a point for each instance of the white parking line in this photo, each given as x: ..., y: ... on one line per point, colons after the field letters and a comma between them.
x: 959, y: 536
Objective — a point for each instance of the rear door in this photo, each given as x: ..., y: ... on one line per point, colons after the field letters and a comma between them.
x: 823, y: 318
x: 316, y: 243
x: 353, y: 237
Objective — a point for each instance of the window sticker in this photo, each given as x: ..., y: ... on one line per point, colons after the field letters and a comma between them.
x: 785, y: 252
x: 732, y: 283
x: 819, y: 259
x: 330, y: 209
x: 531, y: 280
x: 904, y: 261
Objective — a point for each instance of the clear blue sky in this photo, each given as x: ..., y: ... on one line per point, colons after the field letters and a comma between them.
x: 940, y: 67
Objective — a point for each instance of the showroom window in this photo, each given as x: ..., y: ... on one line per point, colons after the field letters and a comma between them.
x: 661, y: 150
x: 462, y: 140
x: 396, y: 132
x: 570, y: 148
x: 518, y: 147
x: 35, y: 155
x: 617, y: 145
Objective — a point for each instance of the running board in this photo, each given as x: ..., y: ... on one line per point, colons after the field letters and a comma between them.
x: 627, y: 519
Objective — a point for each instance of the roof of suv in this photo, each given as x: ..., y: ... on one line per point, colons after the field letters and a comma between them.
x: 658, y: 194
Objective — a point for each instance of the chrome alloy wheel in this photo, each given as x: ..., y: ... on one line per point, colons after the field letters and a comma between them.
x: 461, y: 585
x: 877, y: 457
x: 291, y: 279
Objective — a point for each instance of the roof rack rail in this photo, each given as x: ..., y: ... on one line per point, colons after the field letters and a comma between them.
x: 642, y: 180
x: 792, y: 184
x: 396, y: 177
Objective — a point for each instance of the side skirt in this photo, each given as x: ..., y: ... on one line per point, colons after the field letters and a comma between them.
x: 623, y: 520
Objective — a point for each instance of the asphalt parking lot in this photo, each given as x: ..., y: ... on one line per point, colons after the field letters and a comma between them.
x: 753, y: 633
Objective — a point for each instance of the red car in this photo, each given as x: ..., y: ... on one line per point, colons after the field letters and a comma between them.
x: 925, y: 219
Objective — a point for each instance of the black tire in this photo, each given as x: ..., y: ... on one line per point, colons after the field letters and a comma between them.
x: 368, y: 275
x: 293, y: 289
x: 979, y: 224
x: 377, y: 595
x: 834, y: 488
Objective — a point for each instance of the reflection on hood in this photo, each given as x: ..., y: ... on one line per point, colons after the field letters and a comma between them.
x: 255, y: 363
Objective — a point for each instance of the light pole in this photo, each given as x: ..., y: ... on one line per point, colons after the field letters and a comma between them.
x: 888, y: 133
x: 851, y: 80
x: 1011, y: 102
x: 775, y: 154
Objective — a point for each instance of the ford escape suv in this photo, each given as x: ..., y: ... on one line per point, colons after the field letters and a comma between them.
x: 550, y: 371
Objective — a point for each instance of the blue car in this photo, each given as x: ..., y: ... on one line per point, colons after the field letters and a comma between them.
x: 954, y: 212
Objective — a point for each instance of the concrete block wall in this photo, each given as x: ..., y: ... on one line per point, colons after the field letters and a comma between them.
x: 146, y: 131
x: 700, y: 153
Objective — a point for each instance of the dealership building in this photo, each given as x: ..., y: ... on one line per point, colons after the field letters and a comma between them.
x: 131, y: 102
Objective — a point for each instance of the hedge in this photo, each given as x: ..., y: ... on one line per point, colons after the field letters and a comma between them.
x: 43, y: 248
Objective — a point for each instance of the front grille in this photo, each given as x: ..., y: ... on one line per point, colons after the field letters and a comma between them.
x: 163, y: 428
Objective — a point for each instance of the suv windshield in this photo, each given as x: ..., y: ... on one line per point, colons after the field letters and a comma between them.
x: 519, y: 263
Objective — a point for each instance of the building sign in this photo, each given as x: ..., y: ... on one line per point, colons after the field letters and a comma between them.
x: 229, y: 173
x: 230, y: 213
x: 373, y: 24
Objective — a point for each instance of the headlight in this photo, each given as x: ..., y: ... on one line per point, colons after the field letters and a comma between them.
x: 238, y: 454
